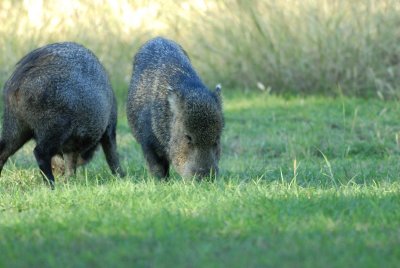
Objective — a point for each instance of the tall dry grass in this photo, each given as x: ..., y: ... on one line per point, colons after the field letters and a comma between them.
x: 287, y: 46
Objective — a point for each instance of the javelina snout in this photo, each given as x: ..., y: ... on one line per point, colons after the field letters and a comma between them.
x: 176, y: 119
x: 201, y: 172
x: 194, y: 163
x: 66, y: 164
x: 196, y: 126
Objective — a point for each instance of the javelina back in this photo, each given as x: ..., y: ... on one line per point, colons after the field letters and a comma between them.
x: 60, y: 95
x: 173, y: 115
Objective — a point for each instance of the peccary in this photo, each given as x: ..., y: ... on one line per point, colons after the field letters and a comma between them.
x: 66, y: 164
x: 172, y: 114
x: 60, y: 95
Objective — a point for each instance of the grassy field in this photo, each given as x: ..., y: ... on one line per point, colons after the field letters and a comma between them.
x: 311, y: 149
x: 305, y: 182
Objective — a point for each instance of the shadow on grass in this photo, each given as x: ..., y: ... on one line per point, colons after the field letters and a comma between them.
x: 250, y: 230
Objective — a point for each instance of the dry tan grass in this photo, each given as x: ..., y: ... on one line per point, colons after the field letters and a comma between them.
x: 310, y: 46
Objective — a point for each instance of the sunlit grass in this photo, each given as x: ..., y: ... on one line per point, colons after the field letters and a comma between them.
x: 304, y: 182
x: 324, y: 47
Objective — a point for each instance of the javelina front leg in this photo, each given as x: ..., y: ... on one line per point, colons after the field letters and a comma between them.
x: 109, y: 144
x: 43, y: 155
x: 48, y: 144
x: 158, y: 165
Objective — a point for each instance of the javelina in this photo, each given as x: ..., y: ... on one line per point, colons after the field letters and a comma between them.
x: 61, y: 96
x: 172, y: 114
x: 65, y: 164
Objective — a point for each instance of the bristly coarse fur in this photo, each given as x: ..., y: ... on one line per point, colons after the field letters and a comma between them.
x: 165, y: 89
x: 61, y: 96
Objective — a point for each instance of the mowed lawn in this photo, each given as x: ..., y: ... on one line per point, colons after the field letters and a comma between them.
x: 305, y: 182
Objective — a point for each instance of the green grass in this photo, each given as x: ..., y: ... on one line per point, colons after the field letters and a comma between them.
x: 305, y: 182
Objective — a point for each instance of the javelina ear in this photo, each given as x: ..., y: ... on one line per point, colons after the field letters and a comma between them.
x: 218, y: 88
x: 217, y: 91
x: 173, y: 101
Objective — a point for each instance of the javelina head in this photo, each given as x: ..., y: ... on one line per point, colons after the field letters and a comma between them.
x: 196, y: 127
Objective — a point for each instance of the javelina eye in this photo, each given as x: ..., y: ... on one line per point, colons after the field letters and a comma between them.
x: 189, y: 139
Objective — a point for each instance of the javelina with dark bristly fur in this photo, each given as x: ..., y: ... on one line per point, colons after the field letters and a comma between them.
x: 60, y: 95
x: 173, y: 115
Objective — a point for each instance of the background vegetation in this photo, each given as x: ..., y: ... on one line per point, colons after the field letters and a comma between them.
x: 296, y: 46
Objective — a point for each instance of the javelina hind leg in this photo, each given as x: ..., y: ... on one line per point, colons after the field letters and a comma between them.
x: 7, y: 149
x: 109, y: 144
x: 14, y: 135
